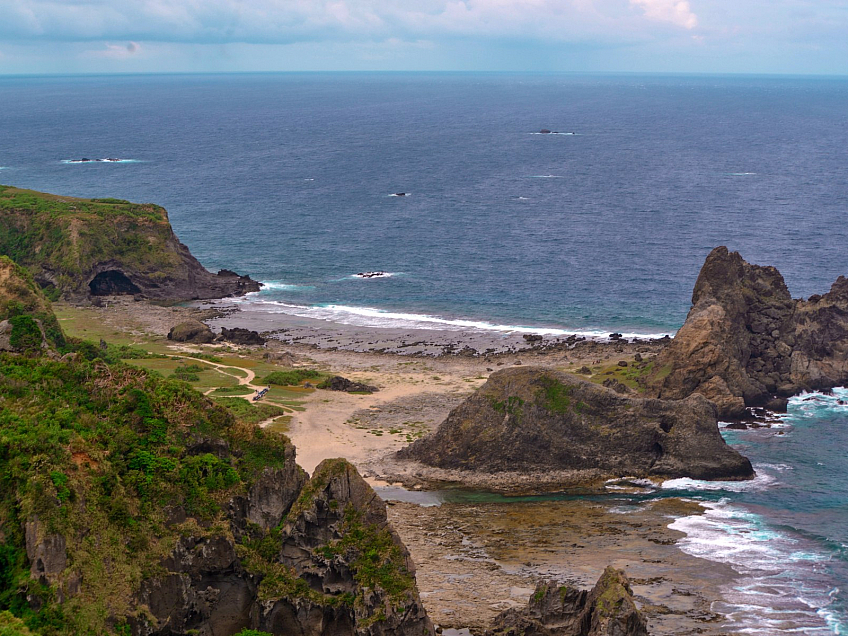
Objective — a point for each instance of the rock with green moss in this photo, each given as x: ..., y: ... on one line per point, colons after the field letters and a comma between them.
x: 192, y: 331
x: 553, y: 610
x: 78, y: 248
x: 536, y: 422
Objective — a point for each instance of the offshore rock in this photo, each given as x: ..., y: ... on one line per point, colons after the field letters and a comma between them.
x: 747, y: 343
x: 607, y: 610
x: 86, y: 248
x: 536, y: 421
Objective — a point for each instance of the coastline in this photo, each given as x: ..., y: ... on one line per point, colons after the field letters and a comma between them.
x: 467, y: 571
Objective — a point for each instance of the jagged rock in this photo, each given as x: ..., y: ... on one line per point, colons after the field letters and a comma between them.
x: 47, y: 553
x: 531, y: 420
x: 584, y: 370
x: 241, y: 336
x: 532, y: 337
x: 615, y: 385
x: 607, y: 610
x: 88, y: 248
x: 338, y: 383
x: 192, y: 331
x: 747, y: 343
x: 338, y: 520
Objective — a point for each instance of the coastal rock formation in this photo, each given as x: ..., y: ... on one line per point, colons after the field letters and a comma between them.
x: 82, y: 248
x: 531, y: 420
x: 192, y: 331
x: 241, y: 336
x: 338, y: 383
x: 746, y: 342
x: 173, y: 517
x: 553, y: 610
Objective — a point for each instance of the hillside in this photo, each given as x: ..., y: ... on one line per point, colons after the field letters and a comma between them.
x: 77, y: 248
x: 26, y: 319
x: 132, y: 504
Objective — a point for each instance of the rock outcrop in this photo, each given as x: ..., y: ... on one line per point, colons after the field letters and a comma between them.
x: 83, y: 248
x: 241, y: 336
x: 747, y: 343
x: 192, y: 331
x: 607, y: 610
x: 339, y: 383
x: 534, y: 421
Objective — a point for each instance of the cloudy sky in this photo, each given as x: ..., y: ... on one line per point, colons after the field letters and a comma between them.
x: 718, y: 36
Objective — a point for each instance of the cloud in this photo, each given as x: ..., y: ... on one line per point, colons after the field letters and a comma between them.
x: 288, y: 21
x: 675, y: 11
x: 115, y: 51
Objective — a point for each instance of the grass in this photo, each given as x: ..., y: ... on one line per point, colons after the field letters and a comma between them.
x: 292, y: 377
x: 632, y: 376
x: 249, y: 412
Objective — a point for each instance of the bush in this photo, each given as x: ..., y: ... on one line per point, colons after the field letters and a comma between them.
x: 26, y: 336
x: 291, y: 378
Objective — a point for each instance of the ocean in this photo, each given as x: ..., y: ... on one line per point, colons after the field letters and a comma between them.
x: 291, y: 178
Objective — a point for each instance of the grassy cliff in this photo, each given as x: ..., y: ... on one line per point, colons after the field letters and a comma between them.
x: 75, y: 247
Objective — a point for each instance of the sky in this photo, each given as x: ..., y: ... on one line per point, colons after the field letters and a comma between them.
x: 678, y: 36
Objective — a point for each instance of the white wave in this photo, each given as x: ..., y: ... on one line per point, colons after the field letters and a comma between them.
x: 761, y: 481
x: 742, y: 174
x: 546, y: 176
x: 779, y: 589
x: 523, y: 198
x: 309, y: 179
x: 569, y: 134
x: 378, y: 318
x: 272, y: 285
x: 400, y: 194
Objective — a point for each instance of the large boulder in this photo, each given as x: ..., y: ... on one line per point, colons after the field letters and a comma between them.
x: 553, y: 610
x: 747, y: 343
x: 192, y: 331
x: 532, y: 420
x: 241, y: 336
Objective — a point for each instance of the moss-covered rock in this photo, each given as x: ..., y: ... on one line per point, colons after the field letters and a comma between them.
x: 77, y: 248
x: 192, y: 331
x: 537, y: 421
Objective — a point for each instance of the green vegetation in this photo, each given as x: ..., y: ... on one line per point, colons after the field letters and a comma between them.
x: 67, y: 236
x: 22, y: 303
x: 11, y: 625
x: 513, y: 405
x: 556, y: 396
x: 98, y: 453
x: 292, y: 377
x: 249, y: 412
x: 632, y: 376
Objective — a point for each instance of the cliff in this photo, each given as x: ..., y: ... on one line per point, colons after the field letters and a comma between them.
x: 134, y: 505
x: 746, y: 342
x: 27, y: 321
x: 531, y: 420
x: 76, y: 248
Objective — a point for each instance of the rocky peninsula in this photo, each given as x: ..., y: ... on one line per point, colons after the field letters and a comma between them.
x: 81, y: 248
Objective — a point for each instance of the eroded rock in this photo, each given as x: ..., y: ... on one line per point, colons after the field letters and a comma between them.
x: 531, y: 420
x: 192, y: 331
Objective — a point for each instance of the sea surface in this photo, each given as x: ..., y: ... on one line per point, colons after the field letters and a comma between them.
x: 290, y: 178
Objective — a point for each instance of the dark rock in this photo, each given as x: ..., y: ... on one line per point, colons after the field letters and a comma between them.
x: 545, y: 131
x: 615, y: 385
x: 241, y: 336
x: 553, y: 610
x: 532, y: 337
x: 745, y: 339
x: 338, y: 383
x: 47, y: 553
x: 532, y: 420
x: 638, y: 357
x: 622, y: 363
x: 584, y: 370
x: 738, y: 426
x: 192, y: 331
x: 615, y: 336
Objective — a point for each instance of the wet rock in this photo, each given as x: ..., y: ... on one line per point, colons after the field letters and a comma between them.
x: 192, y: 331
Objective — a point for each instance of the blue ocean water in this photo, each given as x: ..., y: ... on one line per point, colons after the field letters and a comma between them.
x: 288, y: 178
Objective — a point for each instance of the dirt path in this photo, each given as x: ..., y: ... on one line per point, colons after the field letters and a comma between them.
x: 247, y: 380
